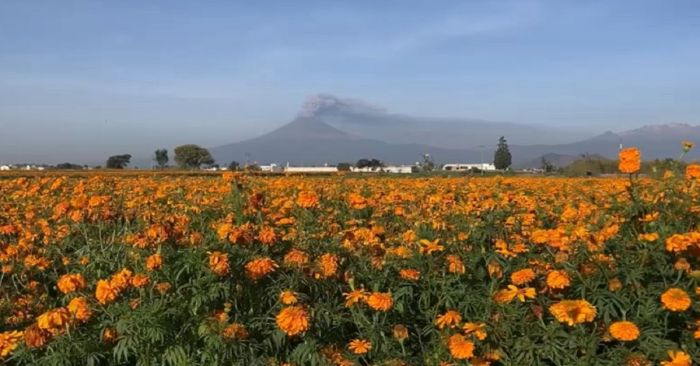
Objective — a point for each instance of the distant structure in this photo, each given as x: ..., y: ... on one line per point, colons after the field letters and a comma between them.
x: 310, y: 169
x: 272, y: 168
x: 468, y: 166
x: 5, y: 167
x: 398, y: 169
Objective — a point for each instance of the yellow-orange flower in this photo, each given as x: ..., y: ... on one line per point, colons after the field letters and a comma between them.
x: 79, y: 308
x: 140, y: 280
x: 558, y: 279
x: 71, y: 282
x: 53, y: 320
x: 450, y: 318
x: 355, y: 296
x: 327, y: 265
x: 259, y: 268
x: 624, y: 331
x: 218, y: 263
x: 477, y: 329
x: 410, y: 274
x: 460, y: 348
x: 455, y: 264
x: 9, y: 340
x: 34, y: 337
x: 293, y: 320
x: 675, y: 299
x: 296, y: 258
x: 154, y: 262
x: 522, y: 276
x: 288, y: 297
x: 692, y: 171
x: 573, y: 311
x: 630, y: 160
x: 235, y: 331
x: 380, y: 301
x: 400, y: 332
x: 307, y: 199
x: 105, y: 293
x: 677, y: 358
x: 359, y: 346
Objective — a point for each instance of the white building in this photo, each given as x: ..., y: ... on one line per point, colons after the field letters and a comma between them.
x: 5, y: 167
x: 468, y: 166
x: 400, y: 169
x: 273, y: 168
x: 310, y: 169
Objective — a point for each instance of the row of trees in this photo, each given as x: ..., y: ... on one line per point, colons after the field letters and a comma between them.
x: 188, y: 156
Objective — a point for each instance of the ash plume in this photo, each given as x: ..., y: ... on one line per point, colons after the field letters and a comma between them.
x: 319, y: 103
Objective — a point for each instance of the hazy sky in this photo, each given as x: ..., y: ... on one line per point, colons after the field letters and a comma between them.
x: 88, y: 77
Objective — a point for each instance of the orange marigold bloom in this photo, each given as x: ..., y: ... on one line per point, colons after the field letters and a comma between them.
x: 53, y: 320
x: 380, y: 301
x: 477, y: 329
x: 630, y: 160
x: 522, y: 276
x: 259, y: 268
x: 218, y: 263
x: 460, y: 348
x: 121, y: 280
x: 34, y: 337
x: 455, y: 264
x: 307, y: 199
x: 163, y: 287
x: 507, y: 295
x: 624, y: 331
x: 71, y: 282
x: 235, y: 331
x: 293, y: 320
x: 677, y: 358
x: 494, y: 269
x: 558, y: 279
x: 9, y: 341
x: 614, y: 284
x: 355, y: 296
x: 675, y: 299
x: 359, y: 346
x: 109, y: 335
x: 573, y: 311
x: 692, y: 171
x: 296, y: 258
x: 267, y: 235
x: 140, y: 280
x: 154, y: 262
x: 288, y: 297
x: 410, y: 274
x: 328, y: 265
x: 450, y: 318
x: 105, y: 293
x: 79, y: 308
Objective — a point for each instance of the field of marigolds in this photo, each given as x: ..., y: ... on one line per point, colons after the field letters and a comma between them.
x: 156, y: 269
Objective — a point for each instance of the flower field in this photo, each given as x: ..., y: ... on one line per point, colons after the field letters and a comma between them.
x: 235, y: 269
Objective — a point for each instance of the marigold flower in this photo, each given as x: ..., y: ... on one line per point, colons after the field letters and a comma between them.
x: 355, y: 296
x: 573, y: 311
x: 218, y: 263
x: 359, y: 346
x: 140, y: 280
x: 624, y: 331
x: 9, y: 340
x: 630, y: 160
x: 558, y: 279
x: 494, y: 269
x: 450, y: 318
x: 692, y: 171
x: 296, y: 258
x: 328, y: 265
x: 109, y: 335
x: 410, y: 274
x: 154, y: 262
x: 522, y: 276
x: 677, y: 358
x: 293, y: 320
x: 70, y: 283
x: 460, y: 348
x: 400, y: 332
x: 105, y: 292
x: 307, y: 199
x: 163, y: 287
x: 675, y: 299
x: 34, y: 337
x: 288, y: 297
x: 260, y: 267
x: 79, y: 308
x: 477, y: 329
x: 380, y: 301
x: 121, y: 280
x: 687, y: 146
x: 455, y: 264
x: 235, y: 331
x: 267, y: 235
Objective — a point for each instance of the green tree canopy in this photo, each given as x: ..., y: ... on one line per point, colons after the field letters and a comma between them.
x: 502, y: 157
x: 118, y: 161
x: 192, y: 156
x: 161, y: 158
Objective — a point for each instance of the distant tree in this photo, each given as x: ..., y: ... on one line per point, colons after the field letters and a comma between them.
x: 192, y: 156
x: 502, y: 157
x: 253, y: 168
x: 68, y: 166
x: 547, y: 166
x: 118, y: 161
x: 234, y: 165
x: 427, y: 165
x: 362, y: 163
x: 344, y: 167
x: 161, y: 158
x: 369, y: 163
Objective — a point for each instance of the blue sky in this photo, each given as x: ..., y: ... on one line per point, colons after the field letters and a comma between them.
x: 83, y: 76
